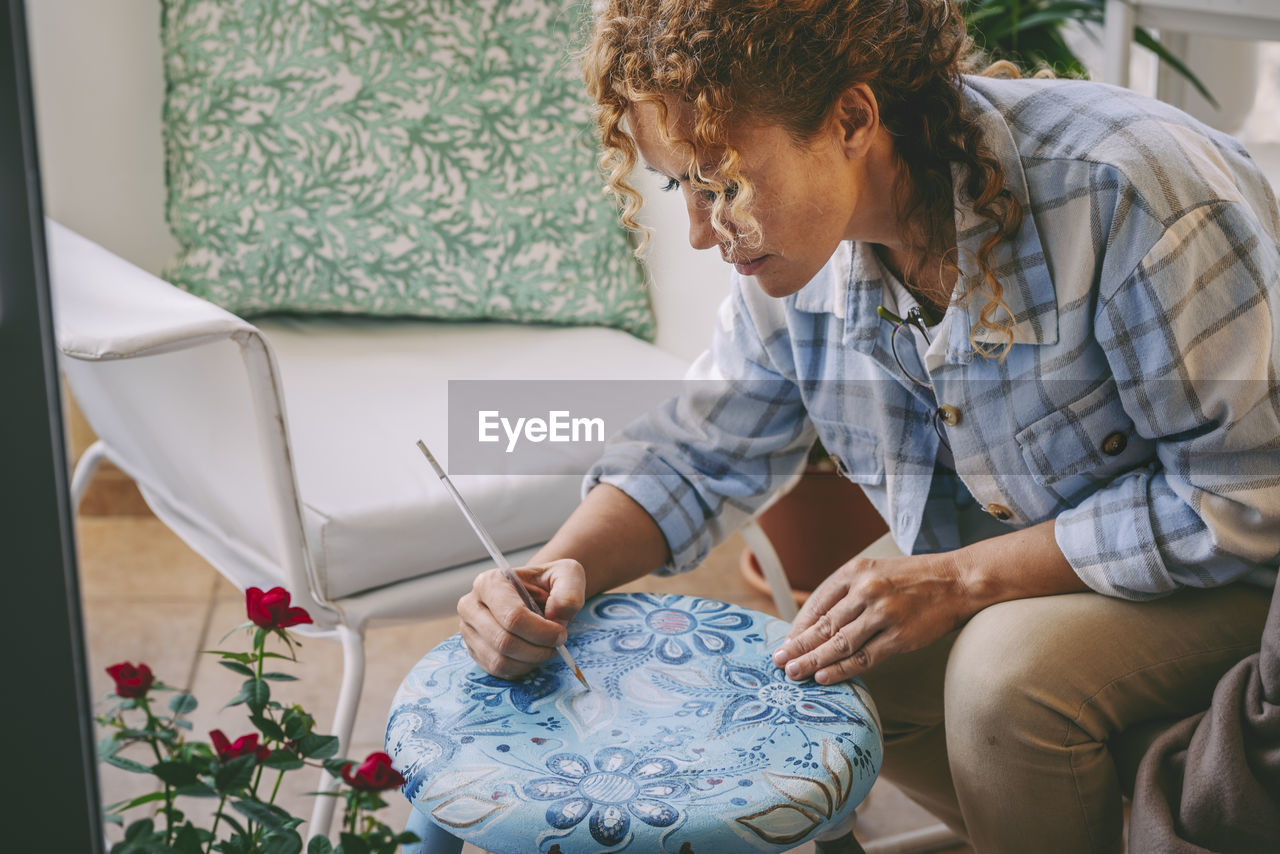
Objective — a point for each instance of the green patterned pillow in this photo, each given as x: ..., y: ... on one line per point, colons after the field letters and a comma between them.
x: 396, y: 157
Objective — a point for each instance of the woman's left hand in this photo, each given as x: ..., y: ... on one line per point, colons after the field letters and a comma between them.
x: 873, y: 608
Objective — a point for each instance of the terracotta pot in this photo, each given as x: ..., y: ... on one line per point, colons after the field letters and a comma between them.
x: 815, y: 528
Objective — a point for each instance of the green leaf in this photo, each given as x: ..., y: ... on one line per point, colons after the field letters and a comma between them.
x: 334, y: 766
x: 242, y: 657
x: 297, y: 723
x: 127, y: 764
x: 267, y: 815
x: 316, y: 746
x: 256, y: 694
x: 320, y: 845
x: 175, y: 773
x: 280, y: 677
x: 280, y: 656
x: 108, y: 746
x: 114, y: 819
x: 406, y: 838
x: 267, y: 727
x: 237, y: 667
x: 181, y: 704
x: 246, y: 624
x: 285, y: 842
x: 122, y: 806
x: 235, y: 775
x: 182, y: 724
x: 1152, y: 44
x: 352, y: 844
x: 284, y: 760
x: 188, y: 840
x: 196, y: 790
x: 235, y: 825
x: 138, y: 830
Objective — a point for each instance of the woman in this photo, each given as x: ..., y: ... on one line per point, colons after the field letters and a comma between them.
x: 1035, y: 319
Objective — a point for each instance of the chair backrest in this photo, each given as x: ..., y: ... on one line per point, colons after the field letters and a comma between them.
x: 99, y: 89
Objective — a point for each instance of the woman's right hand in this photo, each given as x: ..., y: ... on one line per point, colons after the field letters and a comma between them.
x: 504, y: 637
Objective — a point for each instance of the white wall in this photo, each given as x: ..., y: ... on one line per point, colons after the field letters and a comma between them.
x: 99, y: 88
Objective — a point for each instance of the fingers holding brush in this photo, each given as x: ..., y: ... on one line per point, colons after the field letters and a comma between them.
x: 506, y: 638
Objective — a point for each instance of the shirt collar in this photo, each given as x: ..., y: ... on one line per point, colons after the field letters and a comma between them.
x: 850, y: 285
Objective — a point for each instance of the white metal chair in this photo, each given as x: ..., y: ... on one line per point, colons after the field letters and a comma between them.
x: 282, y: 451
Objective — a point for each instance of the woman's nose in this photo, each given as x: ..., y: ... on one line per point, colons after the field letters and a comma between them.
x: 701, y: 233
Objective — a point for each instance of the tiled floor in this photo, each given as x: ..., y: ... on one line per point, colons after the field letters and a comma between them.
x: 148, y: 598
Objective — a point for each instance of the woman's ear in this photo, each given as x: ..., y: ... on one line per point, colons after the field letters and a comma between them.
x: 855, y: 119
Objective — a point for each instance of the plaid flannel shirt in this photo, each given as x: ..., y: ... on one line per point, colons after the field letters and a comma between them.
x: 1139, y: 405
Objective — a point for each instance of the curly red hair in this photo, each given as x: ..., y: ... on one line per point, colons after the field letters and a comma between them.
x: 788, y: 62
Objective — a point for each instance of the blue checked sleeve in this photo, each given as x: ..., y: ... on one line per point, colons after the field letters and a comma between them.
x: 1190, y: 335
x: 706, y: 459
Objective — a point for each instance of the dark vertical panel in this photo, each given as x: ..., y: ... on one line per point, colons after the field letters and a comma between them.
x: 50, y: 784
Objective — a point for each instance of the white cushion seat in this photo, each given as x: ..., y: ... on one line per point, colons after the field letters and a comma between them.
x: 359, y: 394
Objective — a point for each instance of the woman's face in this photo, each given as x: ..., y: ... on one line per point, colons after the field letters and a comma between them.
x: 808, y: 196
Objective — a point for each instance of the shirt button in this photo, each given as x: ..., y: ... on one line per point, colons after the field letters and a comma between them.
x: 949, y: 414
x: 1004, y: 514
x: 1114, y: 444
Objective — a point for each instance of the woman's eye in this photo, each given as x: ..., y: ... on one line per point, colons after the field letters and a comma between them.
x: 671, y: 186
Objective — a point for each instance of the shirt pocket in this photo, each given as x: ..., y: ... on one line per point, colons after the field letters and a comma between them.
x: 1091, y: 437
x: 854, y: 450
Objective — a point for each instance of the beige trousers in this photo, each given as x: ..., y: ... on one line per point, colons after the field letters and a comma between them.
x: 1004, y: 729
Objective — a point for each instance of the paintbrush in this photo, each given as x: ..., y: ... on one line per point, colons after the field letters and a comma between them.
x: 498, y: 557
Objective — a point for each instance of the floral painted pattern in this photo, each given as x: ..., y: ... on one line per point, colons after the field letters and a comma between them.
x: 691, y: 740
x: 611, y: 789
x: 758, y: 696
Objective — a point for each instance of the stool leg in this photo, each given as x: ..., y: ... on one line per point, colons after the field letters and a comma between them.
x: 435, y: 840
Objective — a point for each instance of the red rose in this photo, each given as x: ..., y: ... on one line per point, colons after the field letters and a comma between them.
x: 131, y: 682
x: 245, y: 745
x: 373, y: 775
x: 271, y: 610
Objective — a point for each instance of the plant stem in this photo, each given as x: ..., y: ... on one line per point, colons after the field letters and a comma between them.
x: 213, y: 834
x: 276, y: 787
x: 153, y: 723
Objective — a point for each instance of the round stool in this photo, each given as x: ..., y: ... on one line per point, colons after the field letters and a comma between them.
x: 691, y: 741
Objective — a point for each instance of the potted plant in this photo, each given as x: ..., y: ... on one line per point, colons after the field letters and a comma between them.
x: 1029, y: 33
x: 822, y: 522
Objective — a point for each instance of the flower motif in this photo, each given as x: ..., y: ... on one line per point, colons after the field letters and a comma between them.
x: 414, y: 731
x: 653, y: 625
x: 766, y: 696
x: 522, y: 694
x: 375, y: 774
x: 271, y: 610
x: 131, y: 682
x: 617, y: 787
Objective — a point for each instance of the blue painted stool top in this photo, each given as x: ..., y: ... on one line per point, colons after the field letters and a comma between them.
x: 690, y: 741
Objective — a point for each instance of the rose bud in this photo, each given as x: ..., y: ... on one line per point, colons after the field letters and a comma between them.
x: 245, y: 745
x: 270, y: 610
x: 374, y: 774
x: 131, y: 682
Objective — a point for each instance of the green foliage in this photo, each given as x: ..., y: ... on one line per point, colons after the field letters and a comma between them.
x: 247, y: 821
x: 1029, y: 34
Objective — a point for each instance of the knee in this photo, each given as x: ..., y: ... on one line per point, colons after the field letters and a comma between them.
x: 1005, y: 680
